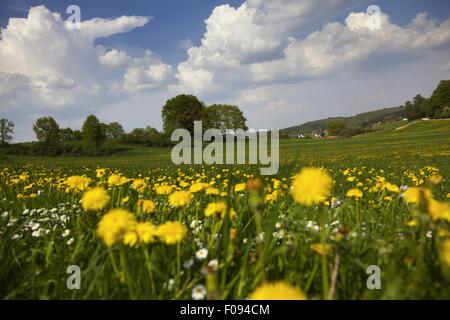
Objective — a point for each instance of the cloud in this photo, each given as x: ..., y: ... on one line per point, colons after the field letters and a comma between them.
x: 100, y: 28
x: 47, y: 68
x: 256, y: 41
x: 115, y: 58
x: 147, y: 72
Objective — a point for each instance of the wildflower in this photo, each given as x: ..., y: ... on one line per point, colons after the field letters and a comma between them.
x: 95, y: 199
x: 411, y: 223
x: 311, y: 186
x: 115, y: 180
x: 172, y: 232
x: 180, y: 199
x: 100, y: 173
x: 114, y: 225
x: 164, y: 190
x: 413, y: 195
x: 354, y: 193
x: 277, y: 291
x: 139, y: 185
x: 240, y: 187
x: 199, y: 292
x: 321, y: 248
x: 213, y: 264
x: 439, y: 210
x: 146, y: 206
x: 212, y: 191
x: 219, y: 209
x: 392, y: 187
x: 197, y: 187
x: 77, y: 183
x: 445, y: 252
x: 201, y: 254
x: 272, y: 197
x: 144, y: 233
x: 435, y: 179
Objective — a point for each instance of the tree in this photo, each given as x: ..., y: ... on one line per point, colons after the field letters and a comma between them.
x: 439, y: 103
x: 93, y: 134
x: 6, y: 131
x: 114, y: 130
x: 224, y: 117
x: 67, y: 134
x: 181, y: 112
x: 336, y: 127
x: 47, y: 131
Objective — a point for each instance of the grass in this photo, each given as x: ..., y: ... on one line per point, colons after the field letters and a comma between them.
x: 43, y: 228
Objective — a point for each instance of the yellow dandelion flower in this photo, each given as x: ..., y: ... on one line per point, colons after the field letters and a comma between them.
x: 354, y: 193
x: 411, y: 223
x: 212, y: 191
x: 219, y: 209
x: 277, y: 291
x: 435, y: 179
x: 144, y: 233
x: 392, y: 187
x: 180, y: 199
x: 95, y: 199
x: 439, y: 210
x: 100, y: 173
x: 240, y: 187
x: 115, y: 180
x: 77, y: 183
x: 164, y: 190
x: 311, y: 186
x: 114, y: 225
x: 197, y: 187
x: 321, y: 248
x: 146, y: 206
x: 413, y: 195
x: 139, y: 185
x: 172, y: 232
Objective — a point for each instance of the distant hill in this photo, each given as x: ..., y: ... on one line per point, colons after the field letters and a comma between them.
x: 363, y: 120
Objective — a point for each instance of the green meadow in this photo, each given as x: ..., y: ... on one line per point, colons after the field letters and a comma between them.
x: 322, y: 251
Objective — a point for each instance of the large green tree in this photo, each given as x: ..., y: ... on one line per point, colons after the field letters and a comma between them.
x: 224, y: 117
x: 114, y: 130
x: 47, y: 131
x: 93, y: 135
x: 438, y: 105
x: 181, y: 112
x: 6, y: 131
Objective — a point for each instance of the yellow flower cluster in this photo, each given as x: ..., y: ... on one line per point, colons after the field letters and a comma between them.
x: 120, y: 226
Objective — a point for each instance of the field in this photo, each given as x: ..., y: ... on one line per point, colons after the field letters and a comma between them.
x: 224, y: 232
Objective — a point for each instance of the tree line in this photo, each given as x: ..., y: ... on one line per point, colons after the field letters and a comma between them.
x: 436, y: 107
x: 97, y: 138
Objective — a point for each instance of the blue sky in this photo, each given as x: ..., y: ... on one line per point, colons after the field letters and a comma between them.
x: 273, y: 58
